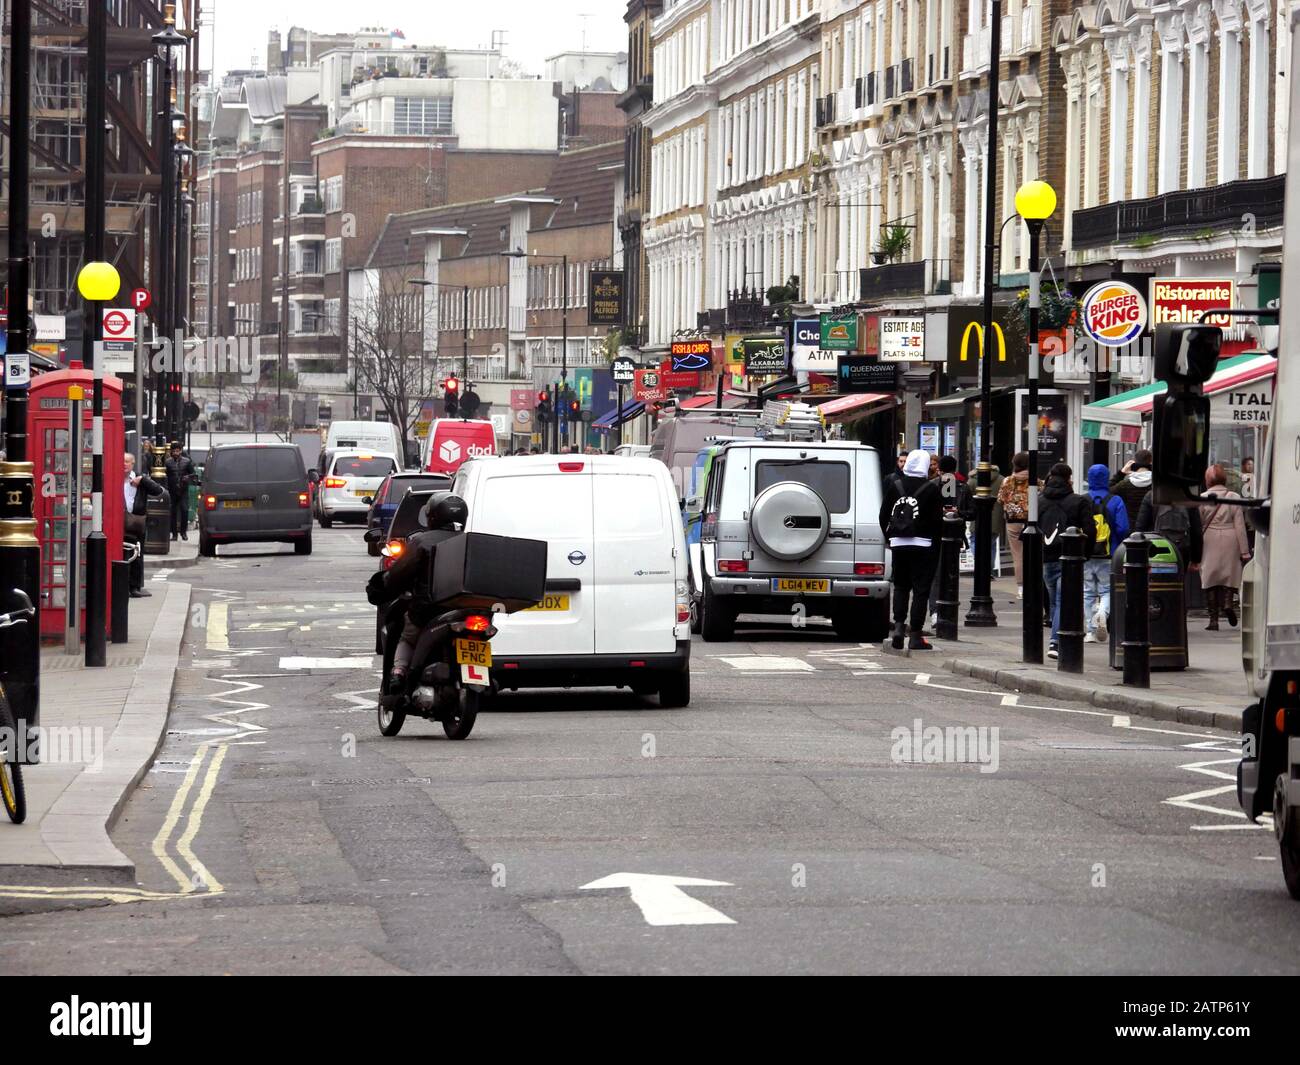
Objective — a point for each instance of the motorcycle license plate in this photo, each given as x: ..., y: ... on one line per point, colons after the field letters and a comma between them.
x: 806, y: 585
x: 473, y: 652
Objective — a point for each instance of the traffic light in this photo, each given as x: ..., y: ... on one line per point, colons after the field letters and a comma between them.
x: 543, y: 411
x: 572, y: 406
x: 451, y: 396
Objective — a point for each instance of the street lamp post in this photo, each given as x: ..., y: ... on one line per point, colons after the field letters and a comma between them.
x: 1035, y: 202
x: 165, y: 40
x: 981, y: 603
x: 20, y: 552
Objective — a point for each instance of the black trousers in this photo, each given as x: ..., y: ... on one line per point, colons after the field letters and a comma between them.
x: 913, y: 574
x: 180, y: 512
x: 136, y: 569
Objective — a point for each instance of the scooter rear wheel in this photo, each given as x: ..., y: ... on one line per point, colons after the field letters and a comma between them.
x: 459, y: 722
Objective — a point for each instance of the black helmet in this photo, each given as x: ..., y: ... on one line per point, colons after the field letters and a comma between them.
x: 445, y: 511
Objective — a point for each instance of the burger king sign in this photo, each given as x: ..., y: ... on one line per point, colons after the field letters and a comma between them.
x: 1114, y: 313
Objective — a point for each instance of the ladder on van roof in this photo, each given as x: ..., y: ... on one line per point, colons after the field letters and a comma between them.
x: 791, y: 420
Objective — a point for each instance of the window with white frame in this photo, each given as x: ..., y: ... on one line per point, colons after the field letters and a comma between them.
x: 334, y: 194
x: 334, y: 255
x: 424, y: 116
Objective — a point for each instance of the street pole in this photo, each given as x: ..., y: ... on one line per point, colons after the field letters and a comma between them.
x: 165, y: 237
x: 355, y: 342
x: 564, y: 341
x: 96, y: 543
x: 981, y: 603
x: 20, y: 552
x: 464, y: 340
x: 1030, y: 538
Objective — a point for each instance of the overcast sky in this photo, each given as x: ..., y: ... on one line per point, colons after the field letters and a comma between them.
x: 534, y: 29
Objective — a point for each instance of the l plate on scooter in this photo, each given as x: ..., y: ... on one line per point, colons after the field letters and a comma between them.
x: 473, y: 652
x: 474, y: 675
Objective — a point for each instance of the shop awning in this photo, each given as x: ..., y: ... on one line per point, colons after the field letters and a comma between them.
x: 950, y: 406
x: 710, y: 399
x: 850, y: 408
x: 1232, y: 373
x: 618, y: 415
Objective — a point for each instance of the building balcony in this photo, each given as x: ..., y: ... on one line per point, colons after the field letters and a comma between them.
x: 303, y: 283
x: 302, y: 225
x: 924, y: 277
x: 1183, y: 212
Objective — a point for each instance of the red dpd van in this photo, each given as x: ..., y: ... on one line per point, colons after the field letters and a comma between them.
x: 452, y: 441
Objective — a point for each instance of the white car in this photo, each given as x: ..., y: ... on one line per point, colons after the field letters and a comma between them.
x: 617, y: 610
x: 349, y: 483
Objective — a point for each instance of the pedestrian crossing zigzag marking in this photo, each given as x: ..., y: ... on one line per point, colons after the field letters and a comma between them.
x: 361, y: 699
x: 237, y: 706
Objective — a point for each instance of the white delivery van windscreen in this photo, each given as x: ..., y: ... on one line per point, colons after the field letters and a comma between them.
x: 636, y: 607
x: 555, y: 507
x: 1284, y: 478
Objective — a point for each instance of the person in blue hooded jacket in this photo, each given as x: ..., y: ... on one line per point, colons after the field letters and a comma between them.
x: 1111, y: 518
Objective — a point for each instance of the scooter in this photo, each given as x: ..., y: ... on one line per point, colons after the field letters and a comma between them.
x: 448, y: 679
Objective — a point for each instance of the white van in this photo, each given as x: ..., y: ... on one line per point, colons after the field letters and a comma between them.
x: 382, y: 437
x: 617, y: 610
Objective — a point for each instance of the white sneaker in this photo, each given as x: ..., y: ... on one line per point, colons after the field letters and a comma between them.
x: 1090, y: 638
x: 1099, y: 625
x: 1052, y: 652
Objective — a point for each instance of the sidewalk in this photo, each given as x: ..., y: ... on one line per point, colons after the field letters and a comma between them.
x: 183, y: 553
x: 1211, y: 692
x: 117, y: 715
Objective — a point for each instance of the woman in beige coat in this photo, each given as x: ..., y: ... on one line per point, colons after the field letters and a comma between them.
x: 1226, y: 548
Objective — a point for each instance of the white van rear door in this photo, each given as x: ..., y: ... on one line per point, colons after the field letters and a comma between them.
x: 636, y: 604
x: 555, y: 507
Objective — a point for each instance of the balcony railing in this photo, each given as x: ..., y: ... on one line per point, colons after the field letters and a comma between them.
x: 920, y: 278
x: 1217, y: 208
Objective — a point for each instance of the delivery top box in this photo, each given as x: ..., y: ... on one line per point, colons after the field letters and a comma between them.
x: 482, y: 570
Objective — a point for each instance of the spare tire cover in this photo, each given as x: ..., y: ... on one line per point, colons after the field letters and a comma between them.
x: 789, y: 521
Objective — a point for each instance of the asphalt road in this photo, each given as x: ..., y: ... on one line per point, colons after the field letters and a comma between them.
x: 280, y: 833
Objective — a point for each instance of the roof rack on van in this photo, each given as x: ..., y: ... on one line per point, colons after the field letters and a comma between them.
x: 791, y: 420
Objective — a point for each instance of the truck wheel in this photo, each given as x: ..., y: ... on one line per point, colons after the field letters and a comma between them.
x: 718, y: 621
x: 676, y: 692
x: 693, y: 599
x: 303, y: 546
x: 1287, y: 825
x: 325, y: 520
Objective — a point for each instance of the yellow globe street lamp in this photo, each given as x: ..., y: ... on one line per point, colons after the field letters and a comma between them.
x: 99, y: 282
x: 1035, y: 203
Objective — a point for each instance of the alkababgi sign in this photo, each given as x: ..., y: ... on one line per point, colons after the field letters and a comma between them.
x: 605, y: 297
x: 902, y: 339
x: 764, y: 355
x: 1183, y: 299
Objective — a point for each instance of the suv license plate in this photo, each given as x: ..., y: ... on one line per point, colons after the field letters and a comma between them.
x: 473, y: 652
x: 806, y: 585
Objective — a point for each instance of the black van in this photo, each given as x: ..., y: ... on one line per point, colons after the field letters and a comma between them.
x: 254, y: 493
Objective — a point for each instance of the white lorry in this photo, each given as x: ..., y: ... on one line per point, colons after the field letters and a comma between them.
x: 1268, y: 776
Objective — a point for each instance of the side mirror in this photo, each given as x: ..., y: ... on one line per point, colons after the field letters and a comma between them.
x: 1181, y: 451
x: 371, y: 536
x: 313, y: 476
x: 368, y: 500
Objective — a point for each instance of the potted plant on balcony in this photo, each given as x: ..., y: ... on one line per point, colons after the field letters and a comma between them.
x: 1058, y: 312
x: 895, y: 242
x: 787, y: 293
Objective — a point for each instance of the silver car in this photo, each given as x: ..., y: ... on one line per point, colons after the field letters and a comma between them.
x: 793, y: 529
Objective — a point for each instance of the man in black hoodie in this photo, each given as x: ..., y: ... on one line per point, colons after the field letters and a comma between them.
x: 1132, y: 483
x: 911, y: 517
x: 1059, y: 508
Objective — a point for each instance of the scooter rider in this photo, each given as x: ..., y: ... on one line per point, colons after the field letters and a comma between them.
x: 410, y: 573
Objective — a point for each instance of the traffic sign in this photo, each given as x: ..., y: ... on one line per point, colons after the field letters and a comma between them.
x: 115, y: 357
x: 623, y: 370
x: 18, y: 369
x: 140, y: 298
x: 119, y: 324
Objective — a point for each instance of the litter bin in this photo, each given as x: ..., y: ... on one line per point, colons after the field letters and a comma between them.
x: 158, y: 524
x: 1167, y: 607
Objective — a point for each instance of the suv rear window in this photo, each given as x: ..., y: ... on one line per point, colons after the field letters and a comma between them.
x: 233, y: 466
x: 830, y: 480
x: 362, y: 466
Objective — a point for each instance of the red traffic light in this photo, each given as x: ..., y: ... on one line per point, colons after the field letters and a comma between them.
x: 451, y: 384
x: 575, y: 406
x: 543, y: 396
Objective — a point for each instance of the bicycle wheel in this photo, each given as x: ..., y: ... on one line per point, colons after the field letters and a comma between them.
x: 11, y: 772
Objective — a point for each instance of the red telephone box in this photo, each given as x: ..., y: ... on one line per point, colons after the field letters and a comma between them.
x: 47, y: 447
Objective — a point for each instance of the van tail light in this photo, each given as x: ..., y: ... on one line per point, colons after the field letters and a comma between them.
x: 336, y: 482
x: 304, y: 499
x: 868, y: 569
x: 571, y: 467
x: 683, y: 603
x: 732, y: 565
x: 209, y: 502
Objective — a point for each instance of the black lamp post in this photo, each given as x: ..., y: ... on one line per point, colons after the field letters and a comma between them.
x: 1035, y: 202
x: 981, y: 603
x: 164, y: 41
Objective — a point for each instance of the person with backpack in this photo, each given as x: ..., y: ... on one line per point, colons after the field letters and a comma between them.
x: 1132, y: 482
x: 1111, y: 518
x: 1060, y: 508
x: 1181, y: 526
x: 911, y: 517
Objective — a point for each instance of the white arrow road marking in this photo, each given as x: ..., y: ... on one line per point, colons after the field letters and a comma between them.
x: 356, y: 662
x: 661, y: 898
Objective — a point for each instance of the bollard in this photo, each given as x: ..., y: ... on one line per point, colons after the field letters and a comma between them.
x: 1031, y: 562
x: 121, y: 585
x: 1137, y: 617
x: 1069, y: 640
x: 949, y: 599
